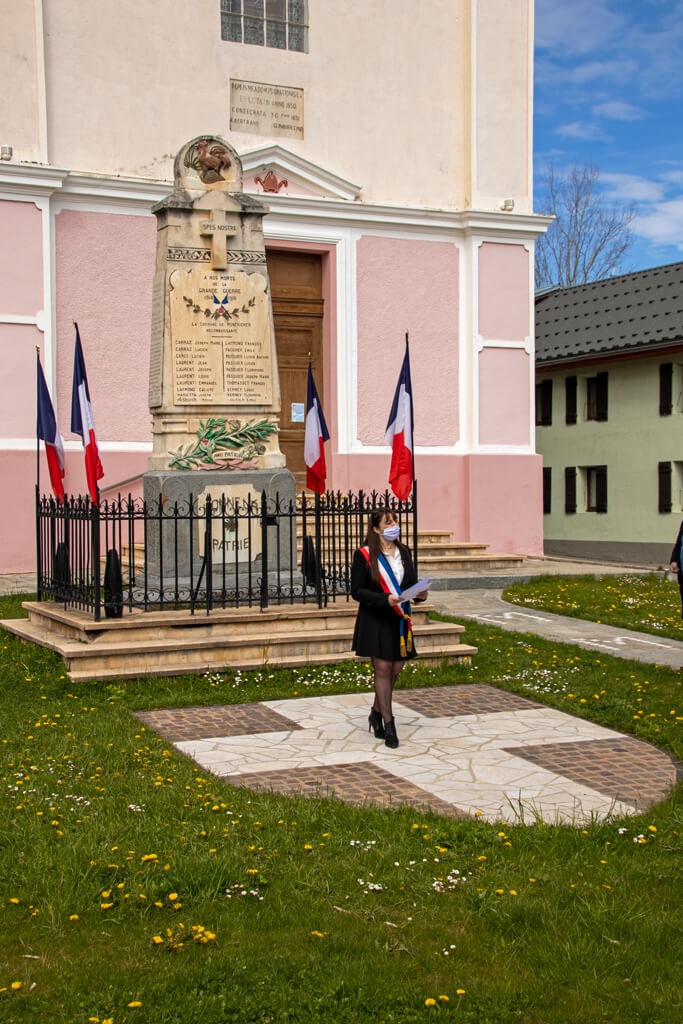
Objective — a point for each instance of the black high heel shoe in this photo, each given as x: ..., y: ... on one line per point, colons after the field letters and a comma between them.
x: 390, y: 737
x: 375, y: 723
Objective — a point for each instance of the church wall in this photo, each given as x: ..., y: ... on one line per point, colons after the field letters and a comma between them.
x: 429, y: 115
x: 408, y: 285
x: 443, y: 78
x: 104, y: 270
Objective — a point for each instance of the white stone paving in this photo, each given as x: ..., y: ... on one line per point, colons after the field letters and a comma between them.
x: 460, y: 759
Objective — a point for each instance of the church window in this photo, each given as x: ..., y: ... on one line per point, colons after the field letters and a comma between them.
x: 282, y: 24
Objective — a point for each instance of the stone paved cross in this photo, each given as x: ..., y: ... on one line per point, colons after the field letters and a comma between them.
x: 218, y: 230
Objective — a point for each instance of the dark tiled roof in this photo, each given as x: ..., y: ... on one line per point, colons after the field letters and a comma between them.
x: 618, y: 314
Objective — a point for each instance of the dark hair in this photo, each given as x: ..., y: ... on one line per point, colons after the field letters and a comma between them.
x: 372, y: 540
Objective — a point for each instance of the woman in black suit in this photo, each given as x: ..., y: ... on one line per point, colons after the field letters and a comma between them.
x: 381, y: 569
x: 677, y: 561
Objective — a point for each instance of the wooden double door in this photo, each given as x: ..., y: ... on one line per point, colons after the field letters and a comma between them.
x: 296, y: 292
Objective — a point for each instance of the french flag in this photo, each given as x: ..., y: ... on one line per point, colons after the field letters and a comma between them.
x: 82, y: 421
x: 400, y: 434
x: 49, y: 433
x: 315, y: 436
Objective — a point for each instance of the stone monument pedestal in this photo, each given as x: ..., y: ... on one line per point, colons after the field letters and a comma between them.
x: 177, y: 537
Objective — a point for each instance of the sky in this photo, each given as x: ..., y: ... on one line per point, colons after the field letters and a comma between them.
x: 609, y: 92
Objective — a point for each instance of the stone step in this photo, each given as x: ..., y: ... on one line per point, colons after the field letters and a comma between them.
x: 434, y: 564
x: 80, y: 625
x: 175, y: 642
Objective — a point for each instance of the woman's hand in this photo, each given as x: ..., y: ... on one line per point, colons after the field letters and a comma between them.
x: 675, y: 567
x: 393, y: 600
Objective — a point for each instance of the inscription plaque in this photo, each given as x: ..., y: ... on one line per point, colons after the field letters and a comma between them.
x: 220, y: 338
x: 266, y: 109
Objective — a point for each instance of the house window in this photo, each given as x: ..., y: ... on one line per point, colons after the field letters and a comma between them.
x: 664, y: 486
x: 596, y: 397
x: 595, y: 485
x: 570, y: 388
x: 547, y: 490
x: 544, y: 403
x: 282, y: 24
x: 677, y: 486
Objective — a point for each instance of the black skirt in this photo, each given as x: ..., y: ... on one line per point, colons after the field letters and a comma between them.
x: 377, y: 633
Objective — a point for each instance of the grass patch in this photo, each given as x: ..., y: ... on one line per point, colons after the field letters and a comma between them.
x: 132, y: 877
x: 646, y: 604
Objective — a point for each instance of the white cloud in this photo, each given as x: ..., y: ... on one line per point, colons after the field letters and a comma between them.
x: 617, y: 110
x: 663, y: 224
x: 631, y: 188
x: 582, y: 130
x: 575, y: 26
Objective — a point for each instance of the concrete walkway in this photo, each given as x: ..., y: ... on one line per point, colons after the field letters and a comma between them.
x: 488, y: 606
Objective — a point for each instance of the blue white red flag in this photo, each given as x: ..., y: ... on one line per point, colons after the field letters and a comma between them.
x: 82, y: 421
x: 400, y: 434
x: 314, y: 439
x: 48, y: 432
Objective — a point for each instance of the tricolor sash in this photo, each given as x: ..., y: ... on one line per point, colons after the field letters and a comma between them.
x: 389, y: 585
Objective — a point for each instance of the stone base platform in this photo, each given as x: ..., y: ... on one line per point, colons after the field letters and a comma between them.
x: 175, y: 642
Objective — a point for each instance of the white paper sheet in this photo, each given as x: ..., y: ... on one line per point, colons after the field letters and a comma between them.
x: 415, y: 590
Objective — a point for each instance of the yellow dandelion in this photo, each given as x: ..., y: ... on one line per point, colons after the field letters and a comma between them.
x: 444, y: 999
x: 173, y: 896
x: 73, y: 917
x: 16, y: 985
x: 430, y: 1002
x: 134, y: 1003
x: 157, y: 940
x: 460, y: 991
x: 13, y: 899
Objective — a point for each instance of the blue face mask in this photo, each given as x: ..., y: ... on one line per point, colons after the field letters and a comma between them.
x: 391, y: 532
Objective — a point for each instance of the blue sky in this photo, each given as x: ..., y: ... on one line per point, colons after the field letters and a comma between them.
x: 609, y: 91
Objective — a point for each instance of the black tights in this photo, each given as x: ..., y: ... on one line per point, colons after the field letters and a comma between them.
x: 386, y: 674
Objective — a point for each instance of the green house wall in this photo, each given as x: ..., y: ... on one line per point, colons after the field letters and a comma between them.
x: 631, y: 443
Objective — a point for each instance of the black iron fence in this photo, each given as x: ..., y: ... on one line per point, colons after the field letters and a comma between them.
x: 202, y: 553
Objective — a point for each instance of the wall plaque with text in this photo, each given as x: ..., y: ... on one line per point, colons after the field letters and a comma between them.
x: 220, y: 338
x: 266, y: 109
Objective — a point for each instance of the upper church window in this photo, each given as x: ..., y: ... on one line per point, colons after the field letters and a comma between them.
x: 279, y: 23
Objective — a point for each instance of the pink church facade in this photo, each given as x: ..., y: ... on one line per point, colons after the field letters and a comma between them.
x: 445, y: 255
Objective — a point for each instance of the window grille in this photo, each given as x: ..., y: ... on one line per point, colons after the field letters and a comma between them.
x: 281, y: 24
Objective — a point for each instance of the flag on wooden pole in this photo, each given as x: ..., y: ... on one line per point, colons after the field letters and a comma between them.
x: 48, y: 431
x: 400, y: 434
x: 314, y: 438
x: 82, y: 421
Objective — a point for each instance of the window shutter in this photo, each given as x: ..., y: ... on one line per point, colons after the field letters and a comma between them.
x: 664, y: 476
x: 570, y: 490
x: 547, y: 484
x: 601, y: 487
x: 601, y: 380
x: 544, y: 414
x: 666, y: 376
x: 570, y: 387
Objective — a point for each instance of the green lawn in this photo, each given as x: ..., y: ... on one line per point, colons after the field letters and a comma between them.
x: 647, y: 604
x: 137, y: 888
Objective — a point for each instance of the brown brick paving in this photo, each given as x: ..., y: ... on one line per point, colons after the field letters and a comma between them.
x: 468, y: 699
x: 205, y: 722
x: 359, y: 783
x: 626, y: 768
